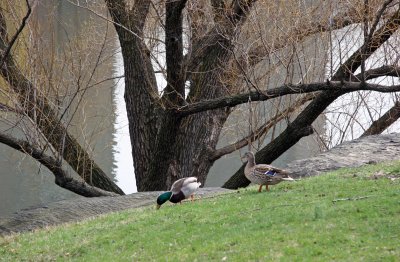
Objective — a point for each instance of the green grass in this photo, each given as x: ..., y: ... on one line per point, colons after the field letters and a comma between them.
x: 341, y: 216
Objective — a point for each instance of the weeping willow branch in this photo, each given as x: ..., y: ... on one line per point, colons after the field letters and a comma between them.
x: 14, y: 38
x: 38, y: 108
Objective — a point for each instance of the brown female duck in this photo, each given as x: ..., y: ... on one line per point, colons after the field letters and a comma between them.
x: 263, y: 174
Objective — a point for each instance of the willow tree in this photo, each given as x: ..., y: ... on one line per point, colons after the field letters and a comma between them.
x: 214, y: 56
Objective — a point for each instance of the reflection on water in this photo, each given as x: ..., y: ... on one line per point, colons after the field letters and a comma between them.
x: 24, y: 183
x: 122, y: 149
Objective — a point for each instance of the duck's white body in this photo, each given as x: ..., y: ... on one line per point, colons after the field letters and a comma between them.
x: 187, y: 186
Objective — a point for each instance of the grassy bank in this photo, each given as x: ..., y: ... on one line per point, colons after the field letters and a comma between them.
x: 347, y: 215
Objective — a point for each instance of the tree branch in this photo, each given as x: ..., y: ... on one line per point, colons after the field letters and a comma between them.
x: 300, y: 33
x: 261, y: 130
x: 219, y: 10
x: 379, y: 37
x: 386, y: 120
x: 62, y: 178
x: 231, y: 101
x: 377, y: 19
x: 116, y: 24
x: 384, y: 70
x: 229, y: 21
x: 174, y: 93
x: 240, y: 8
x: 14, y: 38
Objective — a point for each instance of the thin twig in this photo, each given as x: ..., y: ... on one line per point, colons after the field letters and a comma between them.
x: 349, y: 199
x: 106, y: 19
x: 262, y: 130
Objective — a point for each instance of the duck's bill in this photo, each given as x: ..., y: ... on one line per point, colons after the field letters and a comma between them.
x: 287, y: 179
x: 158, y: 206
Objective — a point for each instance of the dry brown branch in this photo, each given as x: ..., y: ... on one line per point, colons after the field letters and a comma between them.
x: 300, y: 33
x: 379, y: 37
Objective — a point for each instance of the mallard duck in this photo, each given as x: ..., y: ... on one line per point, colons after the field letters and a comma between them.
x: 263, y: 174
x: 181, y: 189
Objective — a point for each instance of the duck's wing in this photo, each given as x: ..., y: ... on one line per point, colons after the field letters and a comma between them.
x: 184, y: 183
x: 189, y: 180
x: 177, y: 186
x: 268, y: 170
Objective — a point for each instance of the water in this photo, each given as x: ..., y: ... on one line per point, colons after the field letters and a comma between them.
x: 122, y: 149
x: 100, y: 119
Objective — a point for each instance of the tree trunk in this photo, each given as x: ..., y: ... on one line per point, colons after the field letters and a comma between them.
x: 142, y: 117
x: 174, y: 95
x: 198, y: 134
x: 198, y: 137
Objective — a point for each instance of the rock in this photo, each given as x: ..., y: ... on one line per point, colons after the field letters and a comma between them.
x: 358, y: 152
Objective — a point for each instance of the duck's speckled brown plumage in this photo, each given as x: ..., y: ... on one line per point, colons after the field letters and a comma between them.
x: 263, y: 174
